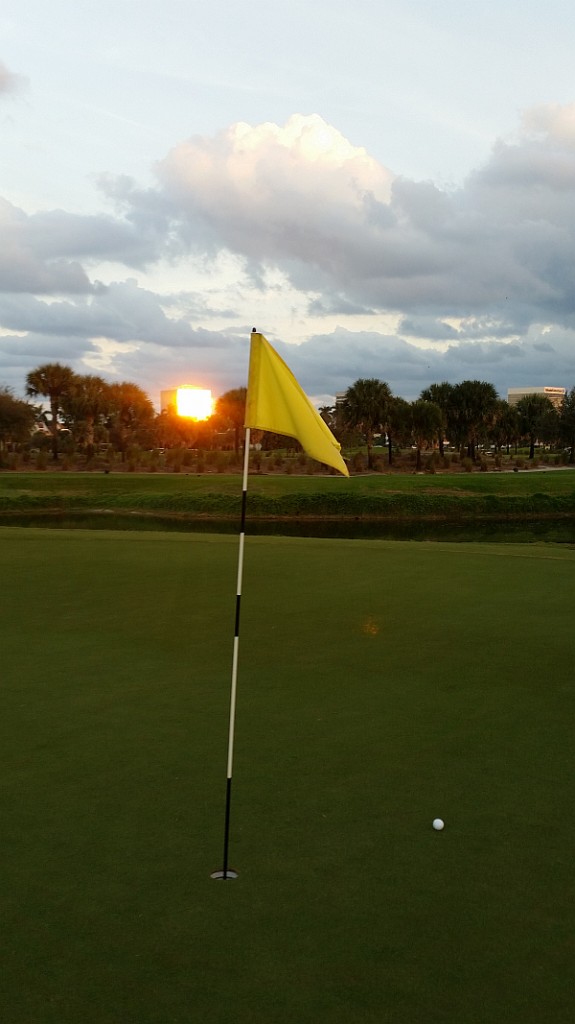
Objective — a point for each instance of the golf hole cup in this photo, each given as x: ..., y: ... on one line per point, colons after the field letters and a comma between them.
x: 438, y: 824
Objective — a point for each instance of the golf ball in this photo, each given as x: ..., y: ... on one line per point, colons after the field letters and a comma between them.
x: 438, y: 824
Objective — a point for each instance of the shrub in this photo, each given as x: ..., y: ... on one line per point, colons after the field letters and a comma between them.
x: 133, y: 456
x: 175, y: 459
x: 467, y: 464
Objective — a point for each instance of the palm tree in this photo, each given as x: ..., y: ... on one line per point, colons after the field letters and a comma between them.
x: 505, y: 426
x: 441, y: 395
x: 470, y: 411
x: 531, y: 410
x: 567, y: 422
x: 131, y: 415
x: 327, y: 413
x: 365, y: 406
x: 86, y: 403
x: 398, y: 424
x: 426, y: 420
x: 55, y: 382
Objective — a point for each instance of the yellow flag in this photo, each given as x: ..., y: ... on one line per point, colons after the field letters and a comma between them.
x: 276, y: 402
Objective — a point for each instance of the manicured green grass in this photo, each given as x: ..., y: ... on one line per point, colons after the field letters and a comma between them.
x: 381, y: 685
x: 535, y: 494
x: 97, y: 485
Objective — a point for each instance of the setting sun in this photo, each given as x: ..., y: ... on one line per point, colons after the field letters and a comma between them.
x: 195, y: 403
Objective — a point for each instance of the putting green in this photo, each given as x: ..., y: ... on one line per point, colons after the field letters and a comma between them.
x: 381, y: 685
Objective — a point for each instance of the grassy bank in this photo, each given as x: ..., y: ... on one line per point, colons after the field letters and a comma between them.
x: 528, y: 494
x: 380, y: 685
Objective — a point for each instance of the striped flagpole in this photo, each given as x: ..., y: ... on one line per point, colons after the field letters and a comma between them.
x: 227, y: 872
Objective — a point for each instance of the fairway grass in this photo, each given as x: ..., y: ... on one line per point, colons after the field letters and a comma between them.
x: 381, y: 685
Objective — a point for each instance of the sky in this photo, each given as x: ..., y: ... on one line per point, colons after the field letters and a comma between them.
x: 384, y: 188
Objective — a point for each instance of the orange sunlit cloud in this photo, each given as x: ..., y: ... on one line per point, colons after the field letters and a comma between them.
x: 194, y: 403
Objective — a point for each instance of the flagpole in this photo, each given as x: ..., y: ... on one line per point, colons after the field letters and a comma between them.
x: 226, y: 872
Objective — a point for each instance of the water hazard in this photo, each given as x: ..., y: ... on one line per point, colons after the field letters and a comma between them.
x: 557, y: 531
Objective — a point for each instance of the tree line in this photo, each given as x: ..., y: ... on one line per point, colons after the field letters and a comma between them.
x: 85, y: 414
x: 91, y: 412
x: 468, y: 415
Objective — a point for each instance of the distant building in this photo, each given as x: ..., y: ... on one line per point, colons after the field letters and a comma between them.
x: 188, y: 400
x: 168, y: 399
x: 555, y: 395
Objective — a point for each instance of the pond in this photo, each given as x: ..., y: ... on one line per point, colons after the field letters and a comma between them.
x: 556, y: 531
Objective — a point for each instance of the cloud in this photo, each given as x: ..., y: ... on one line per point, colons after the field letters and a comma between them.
x: 121, y: 311
x: 330, y: 363
x: 427, y: 327
x: 275, y: 193
x: 10, y: 82
x: 297, y: 222
x: 303, y: 199
x: 122, y: 331
x: 497, y: 253
x: 50, y: 252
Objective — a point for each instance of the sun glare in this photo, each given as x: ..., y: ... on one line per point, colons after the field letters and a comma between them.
x: 194, y: 403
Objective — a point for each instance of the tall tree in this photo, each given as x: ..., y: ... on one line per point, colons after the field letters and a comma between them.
x: 441, y: 395
x: 426, y: 420
x: 567, y: 423
x: 231, y: 409
x: 16, y: 418
x: 531, y: 410
x: 398, y: 424
x: 504, y: 430
x: 366, y: 406
x: 470, y: 412
x: 131, y: 416
x: 85, y: 405
x: 53, y: 381
x: 328, y: 415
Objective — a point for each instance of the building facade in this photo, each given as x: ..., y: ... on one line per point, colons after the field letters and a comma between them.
x: 555, y: 395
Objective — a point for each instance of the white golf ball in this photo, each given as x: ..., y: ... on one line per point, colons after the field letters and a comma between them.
x: 438, y: 824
